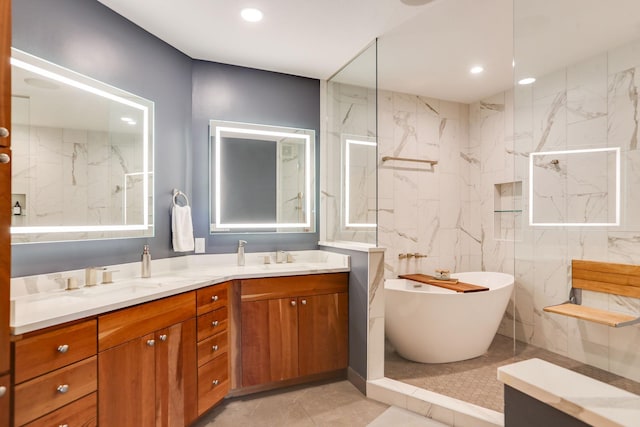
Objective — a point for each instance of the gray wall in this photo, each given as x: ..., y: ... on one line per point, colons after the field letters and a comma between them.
x: 358, y: 308
x: 227, y: 92
x: 89, y: 38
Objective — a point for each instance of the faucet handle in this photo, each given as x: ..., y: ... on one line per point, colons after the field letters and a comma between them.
x: 242, y: 243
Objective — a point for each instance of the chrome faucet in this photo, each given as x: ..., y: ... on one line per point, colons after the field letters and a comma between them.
x: 241, y: 244
x: 91, y: 276
x: 281, y: 257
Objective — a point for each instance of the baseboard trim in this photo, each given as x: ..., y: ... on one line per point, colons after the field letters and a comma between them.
x: 357, y: 380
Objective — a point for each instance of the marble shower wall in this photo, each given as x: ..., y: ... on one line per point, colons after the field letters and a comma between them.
x: 423, y: 209
x: 75, y: 177
x: 592, y: 104
x: 351, y: 112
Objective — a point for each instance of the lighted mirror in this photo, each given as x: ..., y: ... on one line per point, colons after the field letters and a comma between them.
x: 82, y: 156
x: 262, y: 178
x: 359, y: 195
x: 575, y: 188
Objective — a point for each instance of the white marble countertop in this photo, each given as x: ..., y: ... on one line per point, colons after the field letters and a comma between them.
x: 582, y: 397
x: 40, y: 301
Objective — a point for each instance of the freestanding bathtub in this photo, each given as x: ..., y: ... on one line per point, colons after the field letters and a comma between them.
x: 430, y: 324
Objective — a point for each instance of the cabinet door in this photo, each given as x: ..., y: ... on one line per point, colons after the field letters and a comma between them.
x: 269, y: 341
x: 5, y: 206
x: 126, y: 384
x: 5, y: 399
x: 176, y: 374
x: 323, y: 333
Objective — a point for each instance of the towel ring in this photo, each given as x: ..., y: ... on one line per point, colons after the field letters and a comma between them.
x: 178, y: 193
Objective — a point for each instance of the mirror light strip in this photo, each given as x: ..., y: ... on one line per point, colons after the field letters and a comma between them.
x: 76, y: 228
x: 347, y: 184
x: 219, y: 225
x: 616, y: 150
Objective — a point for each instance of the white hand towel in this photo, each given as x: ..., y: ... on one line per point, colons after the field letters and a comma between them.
x: 181, y: 228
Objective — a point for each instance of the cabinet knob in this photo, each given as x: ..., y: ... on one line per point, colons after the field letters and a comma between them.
x: 63, y: 425
x: 63, y: 348
x: 214, y: 323
x: 163, y: 337
x: 4, y: 158
x: 215, y: 347
x: 304, y: 302
x: 214, y: 298
x: 4, y: 132
x: 293, y: 303
x: 215, y: 382
x: 3, y: 390
x: 63, y: 388
x: 151, y: 343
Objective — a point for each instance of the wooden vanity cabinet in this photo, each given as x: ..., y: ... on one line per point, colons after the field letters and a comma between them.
x: 147, y: 364
x: 54, y: 370
x: 293, y: 327
x: 213, y: 345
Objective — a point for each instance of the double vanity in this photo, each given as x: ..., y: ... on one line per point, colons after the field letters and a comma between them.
x: 166, y: 349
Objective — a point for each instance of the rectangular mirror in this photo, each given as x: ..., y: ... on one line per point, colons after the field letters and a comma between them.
x: 82, y: 156
x: 262, y: 178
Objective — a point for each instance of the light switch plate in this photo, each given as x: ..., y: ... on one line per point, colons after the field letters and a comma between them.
x: 199, y: 245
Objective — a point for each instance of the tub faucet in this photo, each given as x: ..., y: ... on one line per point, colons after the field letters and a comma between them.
x: 241, y: 244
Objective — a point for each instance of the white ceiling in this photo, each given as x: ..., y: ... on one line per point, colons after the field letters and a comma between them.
x: 425, y: 50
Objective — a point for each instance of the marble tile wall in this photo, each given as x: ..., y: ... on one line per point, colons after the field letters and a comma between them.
x: 592, y: 104
x: 426, y: 209
x: 76, y: 177
x: 351, y: 113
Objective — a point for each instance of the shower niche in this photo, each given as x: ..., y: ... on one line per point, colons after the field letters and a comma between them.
x: 507, y: 211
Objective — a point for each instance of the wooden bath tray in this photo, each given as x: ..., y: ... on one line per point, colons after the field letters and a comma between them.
x: 453, y: 285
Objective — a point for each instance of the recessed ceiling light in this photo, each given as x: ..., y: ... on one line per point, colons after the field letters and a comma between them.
x: 526, y: 81
x: 251, y: 15
x: 476, y: 69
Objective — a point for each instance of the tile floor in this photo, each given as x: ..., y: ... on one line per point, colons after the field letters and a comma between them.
x: 325, y: 404
x: 475, y: 381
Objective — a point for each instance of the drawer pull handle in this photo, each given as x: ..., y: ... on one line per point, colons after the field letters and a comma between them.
x: 214, y: 323
x: 293, y: 303
x: 63, y: 388
x: 163, y: 337
x: 215, y: 382
x: 214, y: 298
x: 63, y: 348
x: 215, y: 347
x: 151, y: 343
x: 3, y: 390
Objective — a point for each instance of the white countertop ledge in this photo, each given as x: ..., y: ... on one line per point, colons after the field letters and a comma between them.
x: 40, y: 301
x: 582, y: 397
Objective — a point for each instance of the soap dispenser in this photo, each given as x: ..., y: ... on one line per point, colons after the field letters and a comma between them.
x: 241, y: 244
x: 146, y: 262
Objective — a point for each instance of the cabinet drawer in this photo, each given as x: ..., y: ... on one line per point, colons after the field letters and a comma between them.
x: 212, y: 323
x: 81, y: 413
x: 41, y: 353
x: 212, y: 297
x: 212, y: 347
x: 47, y: 393
x: 293, y: 286
x: 124, y: 325
x: 213, y: 383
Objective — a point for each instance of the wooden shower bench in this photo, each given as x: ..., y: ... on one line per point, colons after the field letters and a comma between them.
x: 610, y: 278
